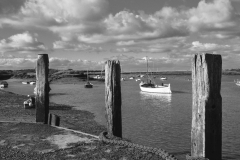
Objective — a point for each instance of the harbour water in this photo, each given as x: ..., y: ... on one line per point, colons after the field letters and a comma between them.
x: 156, y: 120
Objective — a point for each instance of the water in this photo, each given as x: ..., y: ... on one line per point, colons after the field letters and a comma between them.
x: 155, y: 120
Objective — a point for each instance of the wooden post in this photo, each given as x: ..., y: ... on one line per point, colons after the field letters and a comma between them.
x: 53, y: 120
x: 42, y: 85
x: 206, y: 135
x: 113, y: 98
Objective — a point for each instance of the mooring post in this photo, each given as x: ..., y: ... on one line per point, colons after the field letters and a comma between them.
x: 53, y: 120
x: 42, y: 85
x: 206, y: 134
x: 113, y: 99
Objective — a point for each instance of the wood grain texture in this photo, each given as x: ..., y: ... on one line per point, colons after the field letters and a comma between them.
x: 113, y: 99
x: 206, y: 134
x: 42, y: 96
x: 53, y: 120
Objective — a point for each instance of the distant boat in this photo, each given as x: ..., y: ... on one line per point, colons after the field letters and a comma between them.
x: 131, y: 77
x: 163, y: 78
x: 141, y: 76
x: 25, y: 82
x: 122, y: 79
x: 237, y: 82
x: 32, y: 82
x: 153, y: 88
x: 138, y: 79
x: 3, y: 84
x: 88, y: 84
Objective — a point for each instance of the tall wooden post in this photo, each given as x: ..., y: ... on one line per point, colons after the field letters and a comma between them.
x: 206, y: 135
x: 113, y: 98
x: 42, y: 97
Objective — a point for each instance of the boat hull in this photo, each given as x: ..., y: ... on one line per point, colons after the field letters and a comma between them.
x: 156, y: 89
x: 88, y: 86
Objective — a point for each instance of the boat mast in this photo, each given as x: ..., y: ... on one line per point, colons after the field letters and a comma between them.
x: 87, y: 75
x: 147, y: 68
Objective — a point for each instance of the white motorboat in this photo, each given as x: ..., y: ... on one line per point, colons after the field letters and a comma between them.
x: 153, y: 88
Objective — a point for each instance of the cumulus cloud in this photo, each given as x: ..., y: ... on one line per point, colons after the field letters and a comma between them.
x: 130, y: 63
x: 22, y: 43
x: 88, y: 22
x: 74, y: 47
x: 62, y: 63
x: 125, y: 43
x: 19, y: 63
x: 197, y: 46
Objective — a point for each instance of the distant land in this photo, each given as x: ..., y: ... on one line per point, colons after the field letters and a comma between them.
x: 57, y: 74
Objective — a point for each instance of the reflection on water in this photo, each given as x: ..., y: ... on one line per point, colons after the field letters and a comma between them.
x: 156, y: 97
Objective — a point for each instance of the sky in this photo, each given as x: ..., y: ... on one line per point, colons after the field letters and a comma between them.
x: 83, y: 34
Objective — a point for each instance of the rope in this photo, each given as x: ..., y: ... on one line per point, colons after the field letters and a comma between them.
x: 188, y: 157
x: 160, y: 152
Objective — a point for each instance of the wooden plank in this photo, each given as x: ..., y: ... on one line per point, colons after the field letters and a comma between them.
x: 206, y: 134
x: 42, y: 88
x: 113, y: 99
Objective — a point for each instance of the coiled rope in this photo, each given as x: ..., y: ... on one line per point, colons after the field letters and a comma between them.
x: 188, y: 157
x: 160, y: 152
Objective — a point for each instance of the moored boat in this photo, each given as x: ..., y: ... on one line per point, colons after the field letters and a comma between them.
x: 3, y: 84
x: 88, y: 84
x: 152, y: 88
x: 25, y: 82
x: 32, y: 82
x: 163, y: 78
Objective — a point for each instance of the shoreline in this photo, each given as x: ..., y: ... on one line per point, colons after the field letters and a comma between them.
x: 12, y: 110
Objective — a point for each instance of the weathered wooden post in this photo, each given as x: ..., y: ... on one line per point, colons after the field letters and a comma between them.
x: 53, y: 119
x: 206, y: 135
x: 42, y: 85
x: 113, y: 98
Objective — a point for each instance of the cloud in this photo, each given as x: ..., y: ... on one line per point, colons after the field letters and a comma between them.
x: 62, y: 63
x: 197, y: 46
x: 19, y: 63
x: 125, y: 43
x: 130, y: 63
x: 8, y: 7
x: 88, y: 21
x: 74, y: 47
x: 22, y: 43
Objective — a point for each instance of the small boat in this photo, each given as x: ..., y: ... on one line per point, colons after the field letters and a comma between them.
x: 3, y: 84
x: 123, y: 79
x: 141, y: 76
x: 163, y: 78
x: 131, y: 77
x: 25, y: 82
x: 138, y: 79
x: 32, y: 82
x: 153, y: 88
x: 237, y: 82
x: 88, y: 84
